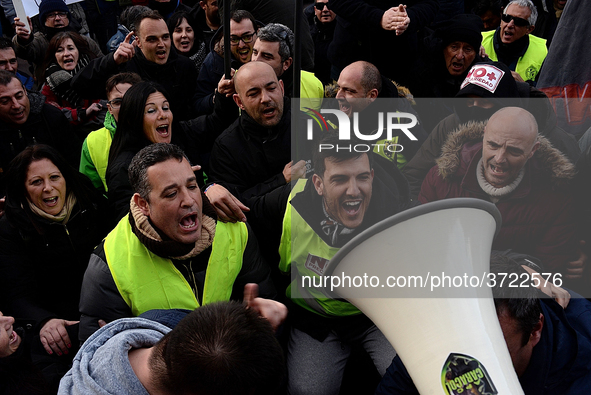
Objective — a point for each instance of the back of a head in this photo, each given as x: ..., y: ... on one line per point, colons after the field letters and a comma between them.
x: 220, y: 348
x: 130, y: 15
x: 521, y: 303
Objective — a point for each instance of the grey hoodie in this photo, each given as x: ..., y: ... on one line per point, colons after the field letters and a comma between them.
x: 102, y: 363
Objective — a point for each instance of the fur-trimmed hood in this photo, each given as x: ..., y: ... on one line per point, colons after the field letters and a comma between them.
x: 462, y: 144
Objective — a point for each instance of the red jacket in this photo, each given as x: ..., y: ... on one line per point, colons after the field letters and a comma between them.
x: 540, y: 217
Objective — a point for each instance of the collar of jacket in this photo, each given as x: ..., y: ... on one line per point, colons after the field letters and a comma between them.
x: 465, y: 144
x: 253, y: 130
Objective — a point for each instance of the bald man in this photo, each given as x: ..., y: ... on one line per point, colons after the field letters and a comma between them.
x: 253, y: 156
x: 508, y: 163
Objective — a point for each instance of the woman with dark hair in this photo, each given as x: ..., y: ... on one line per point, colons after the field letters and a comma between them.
x: 187, y: 40
x: 145, y: 117
x: 53, y: 220
x: 66, y: 55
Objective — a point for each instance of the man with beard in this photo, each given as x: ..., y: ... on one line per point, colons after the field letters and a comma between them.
x: 149, y: 55
x: 477, y: 102
x: 243, y: 34
x: 506, y: 162
x: 54, y: 17
x: 512, y: 44
x: 170, y: 251
x: 253, y: 156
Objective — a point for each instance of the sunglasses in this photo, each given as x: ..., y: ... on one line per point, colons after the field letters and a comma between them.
x: 320, y: 6
x: 518, y: 21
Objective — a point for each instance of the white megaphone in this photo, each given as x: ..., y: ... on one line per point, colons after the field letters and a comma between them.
x: 447, y: 335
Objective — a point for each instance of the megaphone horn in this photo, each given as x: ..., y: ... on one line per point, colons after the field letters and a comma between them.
x: 446, y: 331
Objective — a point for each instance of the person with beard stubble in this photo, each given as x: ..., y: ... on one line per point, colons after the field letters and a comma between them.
x: 507, y: 162
x: 253, y: 156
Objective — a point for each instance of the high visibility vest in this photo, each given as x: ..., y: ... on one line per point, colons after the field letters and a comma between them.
x: 302, y: 250
x: 99, y: 145
x: 147, y: 281
x: 529, y: 65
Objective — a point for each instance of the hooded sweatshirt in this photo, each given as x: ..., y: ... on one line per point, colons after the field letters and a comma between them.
x: 102, y: 365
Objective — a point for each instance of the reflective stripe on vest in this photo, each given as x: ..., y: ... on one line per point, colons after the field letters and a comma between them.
x: 528, y: 66
x: 147, y: 281
x: 99, y: 145
x: 301, y: 246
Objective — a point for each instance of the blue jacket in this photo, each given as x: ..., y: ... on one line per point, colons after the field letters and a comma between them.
x: 560, y: 362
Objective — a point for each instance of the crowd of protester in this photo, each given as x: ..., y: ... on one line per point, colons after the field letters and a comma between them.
x: 137, y: 179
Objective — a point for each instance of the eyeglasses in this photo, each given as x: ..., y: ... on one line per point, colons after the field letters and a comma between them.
x: 518, y: 21
x: 115, y: 103
x: 245, y: 38
x: 53, y: 15
x: 320, y: 6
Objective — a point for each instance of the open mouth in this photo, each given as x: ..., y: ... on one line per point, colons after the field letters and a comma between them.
x: 351, y: 207
x: 163, y: 130
x: 189, y: 222
x: 269, y: 112
x: 344, y: 106
x: 498, y: 171
x: 457, y: 66
x: 161, y: 54
x: 13, y: 337
x: 19, y: 114
x: 50, y: 202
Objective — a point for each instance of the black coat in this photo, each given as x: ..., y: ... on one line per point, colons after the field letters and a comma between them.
x: 249, y: 159
x: 42, y: 262
x: 178, y: 77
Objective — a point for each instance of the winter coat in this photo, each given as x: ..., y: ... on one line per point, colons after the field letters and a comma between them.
x: 416, y: 170
x: 249, y: 159
x: 43, y: 262
x: 540, y: 217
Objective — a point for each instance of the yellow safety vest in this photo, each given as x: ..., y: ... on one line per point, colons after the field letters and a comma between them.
x: 147, y: 281
x: 99, y: 145
x: 529, y: 65
x: 301, y: 246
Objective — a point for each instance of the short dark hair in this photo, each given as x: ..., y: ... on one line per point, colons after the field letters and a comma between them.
x: 332, y: 137
x: 278, y: 33
x: 6, y: 78
x: 122, y: 78
x: 482, y: 6
x: 146, y: 158
x: 154, y: 15
x: 521, y: 303
x: 370, y: 77
x: 239, y: 15
x: 130, y: 15
x: 6, y: 43
x: 221, y: 348
x: 130, y: 127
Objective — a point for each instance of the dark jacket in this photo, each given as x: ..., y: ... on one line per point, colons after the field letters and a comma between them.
x: 540, y: 217
x: 322, y: 34
x: 178, y: 77
x: 196, y: 137
x: 559, y: 362
x: 248, y: 159
x: 359, y: 36
x: 43, y: 262
x: 416, y: 170
x: 45, y: 125
x: 100, y: 298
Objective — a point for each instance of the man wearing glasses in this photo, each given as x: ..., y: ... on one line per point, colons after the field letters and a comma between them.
x: 54, y: 17
x: 243, y: 34
x: 512, y: 43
